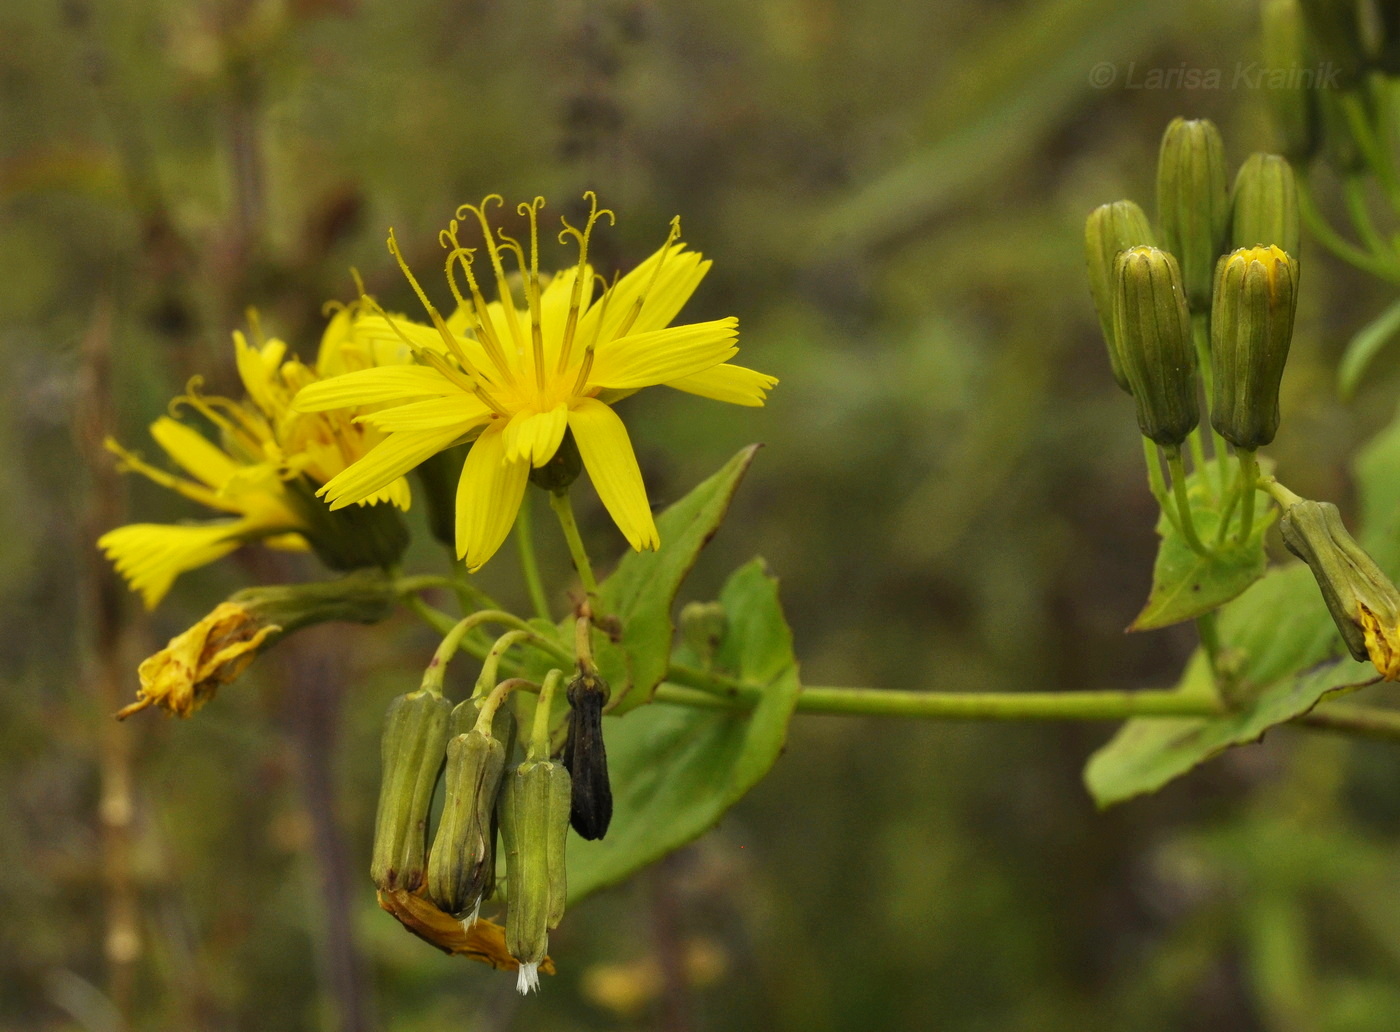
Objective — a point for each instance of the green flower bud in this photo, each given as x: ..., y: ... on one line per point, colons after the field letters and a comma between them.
x: 464, y: 849
x: 591, y: 803
x: 534, y: 811
x: 412, y: 747
x: 1193, y: 203
x: 1109, y: 230
x: 1292, y: 96
x: 1154, y: 331
x: 562, y: 470
x: 1364, y: 604
x: 1256, y: 292
x: 1334, y: 30
x: 1264, y: 205
x: 353, y: 537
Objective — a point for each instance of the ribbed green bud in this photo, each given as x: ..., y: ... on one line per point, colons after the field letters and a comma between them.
x: 353, y: 537
x: 1334, y: 31
x: 1289, y: 79
x: 1363, y: 602
x: 1251, y: 327
x: 411, y: 751
x: 462, y: 862
x: 1154, y: 331
x: 1193, y: 202
x: 534, y: 812
x: 1264, y: 205
x: 1109, y: 230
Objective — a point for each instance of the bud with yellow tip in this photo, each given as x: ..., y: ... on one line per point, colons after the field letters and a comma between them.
x: 1110, y: 230
x: 1153, y: 329
x: 1251, y: 328
x: 1362, y: 600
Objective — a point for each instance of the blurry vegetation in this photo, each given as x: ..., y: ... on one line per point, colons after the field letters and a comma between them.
x: 893, y: 194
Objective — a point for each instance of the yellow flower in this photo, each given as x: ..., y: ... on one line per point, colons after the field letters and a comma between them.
x: 185, y: 674
x: 254, y: 472
x: 151, y: 555
x: 516, y: 377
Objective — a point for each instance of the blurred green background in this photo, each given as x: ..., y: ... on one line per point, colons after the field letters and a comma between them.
x: 952, y: 492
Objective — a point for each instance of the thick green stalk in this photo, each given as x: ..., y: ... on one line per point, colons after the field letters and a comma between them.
x: 1183, y: 503
x: 559, y: 502
x: 874, y: 702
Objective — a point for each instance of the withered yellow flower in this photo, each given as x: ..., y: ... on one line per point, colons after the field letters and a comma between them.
x: 185, y: 674
x: 515, y: 377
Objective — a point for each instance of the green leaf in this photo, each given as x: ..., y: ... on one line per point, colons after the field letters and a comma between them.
x: 1364, y: 347
x: 1185, y: 584
x: 642, y: 590
x: 1146, y: 754
x: 675, y: 770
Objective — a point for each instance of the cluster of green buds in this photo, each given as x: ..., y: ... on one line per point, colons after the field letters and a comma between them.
x: 1201, y: 306
x: 497, y: 806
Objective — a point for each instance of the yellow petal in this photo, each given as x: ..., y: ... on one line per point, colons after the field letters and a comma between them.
x: 664, y: 293
x: 193, y: 452
x: 488, y: 498
x: 535, y: 437
x: 460, y: 410
x: 390, y: 459
x: 607, y: 455
x: 659, y: 356
x: 734, y: 384
x: 149, y: 556
x: 397, y: 494
x: 257, y: 368
x: 374, y: 387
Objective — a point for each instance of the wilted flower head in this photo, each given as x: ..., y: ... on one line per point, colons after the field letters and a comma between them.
x: 518, y: 374
x: 185, y: 674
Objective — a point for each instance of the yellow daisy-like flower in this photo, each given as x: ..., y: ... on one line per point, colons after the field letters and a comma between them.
x: 253, y: 473
x: 517, y: 377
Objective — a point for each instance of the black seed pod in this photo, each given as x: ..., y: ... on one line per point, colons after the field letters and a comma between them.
x: 591, y: 803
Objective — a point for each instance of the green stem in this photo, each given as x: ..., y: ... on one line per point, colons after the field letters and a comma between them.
x: 1372, y: 149
x: 539, y: 735
x: 1183, y: 504
x: 564, y: 510
x: 1249, y: 473
x: 1157, y: 483
x: 1108, y: 705
x: 529, y: 564
x: 1229, y: 510
x: 1200, y: 336
x: 1279, y: 493
x: 486, y: 680
x: 487, y: 711
x: 1334, y: 242
x: 1198, y: 450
